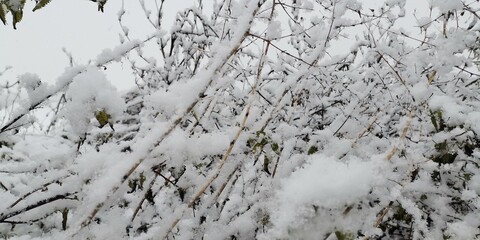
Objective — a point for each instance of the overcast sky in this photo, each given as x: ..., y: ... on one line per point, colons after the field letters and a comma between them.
x: 76, y: 25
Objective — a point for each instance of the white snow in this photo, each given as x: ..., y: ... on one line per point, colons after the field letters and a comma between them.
x: 89, y: 92
x: 310, y: 160
x: 447, y: 5
x: 274, y: 30
x: 117, y: 53
x: 450, y: 108
x: 326, y: 182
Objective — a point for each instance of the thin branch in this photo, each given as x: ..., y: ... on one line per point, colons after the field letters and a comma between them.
x: 4, y: 216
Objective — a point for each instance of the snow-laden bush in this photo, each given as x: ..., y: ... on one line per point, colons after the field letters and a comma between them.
x: 258, y: 120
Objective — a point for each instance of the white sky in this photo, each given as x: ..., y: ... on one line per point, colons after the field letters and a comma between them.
x: 76, y: 25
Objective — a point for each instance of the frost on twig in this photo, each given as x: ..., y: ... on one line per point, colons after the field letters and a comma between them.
x: 257, y: 120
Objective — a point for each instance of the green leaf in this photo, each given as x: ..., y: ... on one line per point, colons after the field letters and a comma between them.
x: 437, y: 120
x: 41, y: 4
x: 102, y: 117
x: 5, y: 144
x: 469, y: 148
x: 3, y: 12
x: 467, y: 177
x: 443, y: 146
x: 344, y: 236
x: 263, y: 142
x: 423, y: 197
x: 402, y: 215
x: 64, y: 219
x: 251, y: 142
x: 149, y: 196
x: 133, y: 185
x: 260, y: 133
x: 266, y: 162
x: 446, y: 158
x: 434, y: 121
x: 312, y: 150
x: 260, y: 145
x: 17, y: 17
x: 181, y: 193
x: 275, y: 147
x: 441, y: 124
x: 436, y: 176
x: 101, y: 4
x: 142, y: 180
